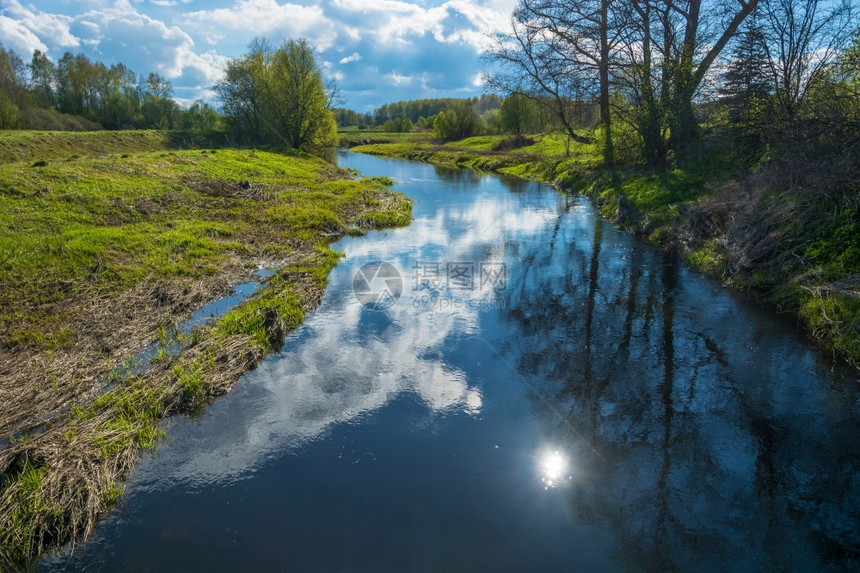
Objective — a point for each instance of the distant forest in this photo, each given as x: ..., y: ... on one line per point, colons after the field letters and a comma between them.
x: 80, y: 94
x: 416, y: 111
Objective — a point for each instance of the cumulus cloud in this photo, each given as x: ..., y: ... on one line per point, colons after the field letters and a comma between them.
x: 146, y: 44
x: 378, y: 50
x: 251, y: 18
x: 42, y: 25
x: 453, y: 22
x: 18, y: 38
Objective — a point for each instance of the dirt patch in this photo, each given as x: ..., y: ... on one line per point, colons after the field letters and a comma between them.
x: 513, y: 142
x: 241, y: 189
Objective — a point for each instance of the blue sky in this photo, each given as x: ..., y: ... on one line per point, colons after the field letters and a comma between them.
x: 379, y: 51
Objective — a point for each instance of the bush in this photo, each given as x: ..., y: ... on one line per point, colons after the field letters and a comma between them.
x: 400, y: 125
x: 455, y: 124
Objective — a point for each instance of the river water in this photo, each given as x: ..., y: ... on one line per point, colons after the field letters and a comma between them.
x: 508, y: 384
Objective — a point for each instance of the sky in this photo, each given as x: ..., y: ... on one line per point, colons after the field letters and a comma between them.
x: 378, y: 51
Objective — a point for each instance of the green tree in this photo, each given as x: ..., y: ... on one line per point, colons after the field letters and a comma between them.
x: 456, y: 123
x: 159, y: 109
x: 242, y: 90
x: 746, y: 88
x: 278, y: 96
x: 200, y: 116
x: 401, y: 124
x: 42, y: 77
x: 11, y: 88
x: 299, y: 98
x: 518, y: 114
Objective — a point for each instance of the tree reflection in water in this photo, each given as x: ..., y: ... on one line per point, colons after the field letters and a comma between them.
x: 712, y: 443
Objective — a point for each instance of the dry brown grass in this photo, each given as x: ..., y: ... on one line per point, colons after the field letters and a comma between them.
x: 58, y: 478
x: 109, y: 329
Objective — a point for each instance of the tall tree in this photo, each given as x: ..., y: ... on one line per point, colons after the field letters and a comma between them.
x: 279, y: 96
x: 746, y: 86
x: 159, y: 109
x: 518, y: 114
x: 456, y: 122
x: 540, y: 59
x: 669, y: 51
x: 242, y: 89
x: 11, y: 88
x: 566, y: 50
x: 299, y: 98
x: 693, y: 45
x: 591, y: 31
x: 42, y: 77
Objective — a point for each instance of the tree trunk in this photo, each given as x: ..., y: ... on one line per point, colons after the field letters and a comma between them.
x: 685, y: 127
x: 605, y: 109
x: 653, y: 148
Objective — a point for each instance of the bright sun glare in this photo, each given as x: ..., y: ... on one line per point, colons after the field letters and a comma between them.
x: 553, y: 466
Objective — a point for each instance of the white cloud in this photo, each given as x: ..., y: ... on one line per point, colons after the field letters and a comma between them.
x: 265, y: 18
x: 18, y: 38
x: 25, y: 29
x: 355, y: 57
x: 454, y: 22
x: 44, y: 25
x: 425, y: 49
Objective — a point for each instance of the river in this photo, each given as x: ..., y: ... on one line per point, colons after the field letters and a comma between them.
x: 508, y: 384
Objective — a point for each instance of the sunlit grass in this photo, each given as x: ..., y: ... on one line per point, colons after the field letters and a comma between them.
x: 113, y: 221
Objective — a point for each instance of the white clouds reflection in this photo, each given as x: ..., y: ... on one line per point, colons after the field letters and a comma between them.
x: 347, y: 361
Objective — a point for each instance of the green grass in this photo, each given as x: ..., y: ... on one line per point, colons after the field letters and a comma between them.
x: 835, y: 319
x: 112, y: 221
x: 352, y: 137
x: 37, y: 146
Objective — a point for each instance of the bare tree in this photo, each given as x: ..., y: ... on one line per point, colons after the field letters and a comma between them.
x: 532, y: 62
x: 693, y: 44
x: 560, y: 52
x: 804, y: 38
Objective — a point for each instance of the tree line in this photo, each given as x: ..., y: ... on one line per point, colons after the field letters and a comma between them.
x: 456, y: 118
x: 661, y: 71
x: 269, y: 95
x: 420, y: 112
x: 81, y: 94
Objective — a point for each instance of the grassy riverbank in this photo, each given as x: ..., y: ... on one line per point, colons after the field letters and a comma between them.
x: 788, y: 234
x: 107, y: 243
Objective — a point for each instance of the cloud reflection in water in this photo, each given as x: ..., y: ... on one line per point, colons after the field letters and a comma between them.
x: 347, y: 361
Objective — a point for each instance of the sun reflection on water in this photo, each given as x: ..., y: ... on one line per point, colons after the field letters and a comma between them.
x: 553, y: 467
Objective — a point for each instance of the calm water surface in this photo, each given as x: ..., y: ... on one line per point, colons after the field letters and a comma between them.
x: 587, y: 405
